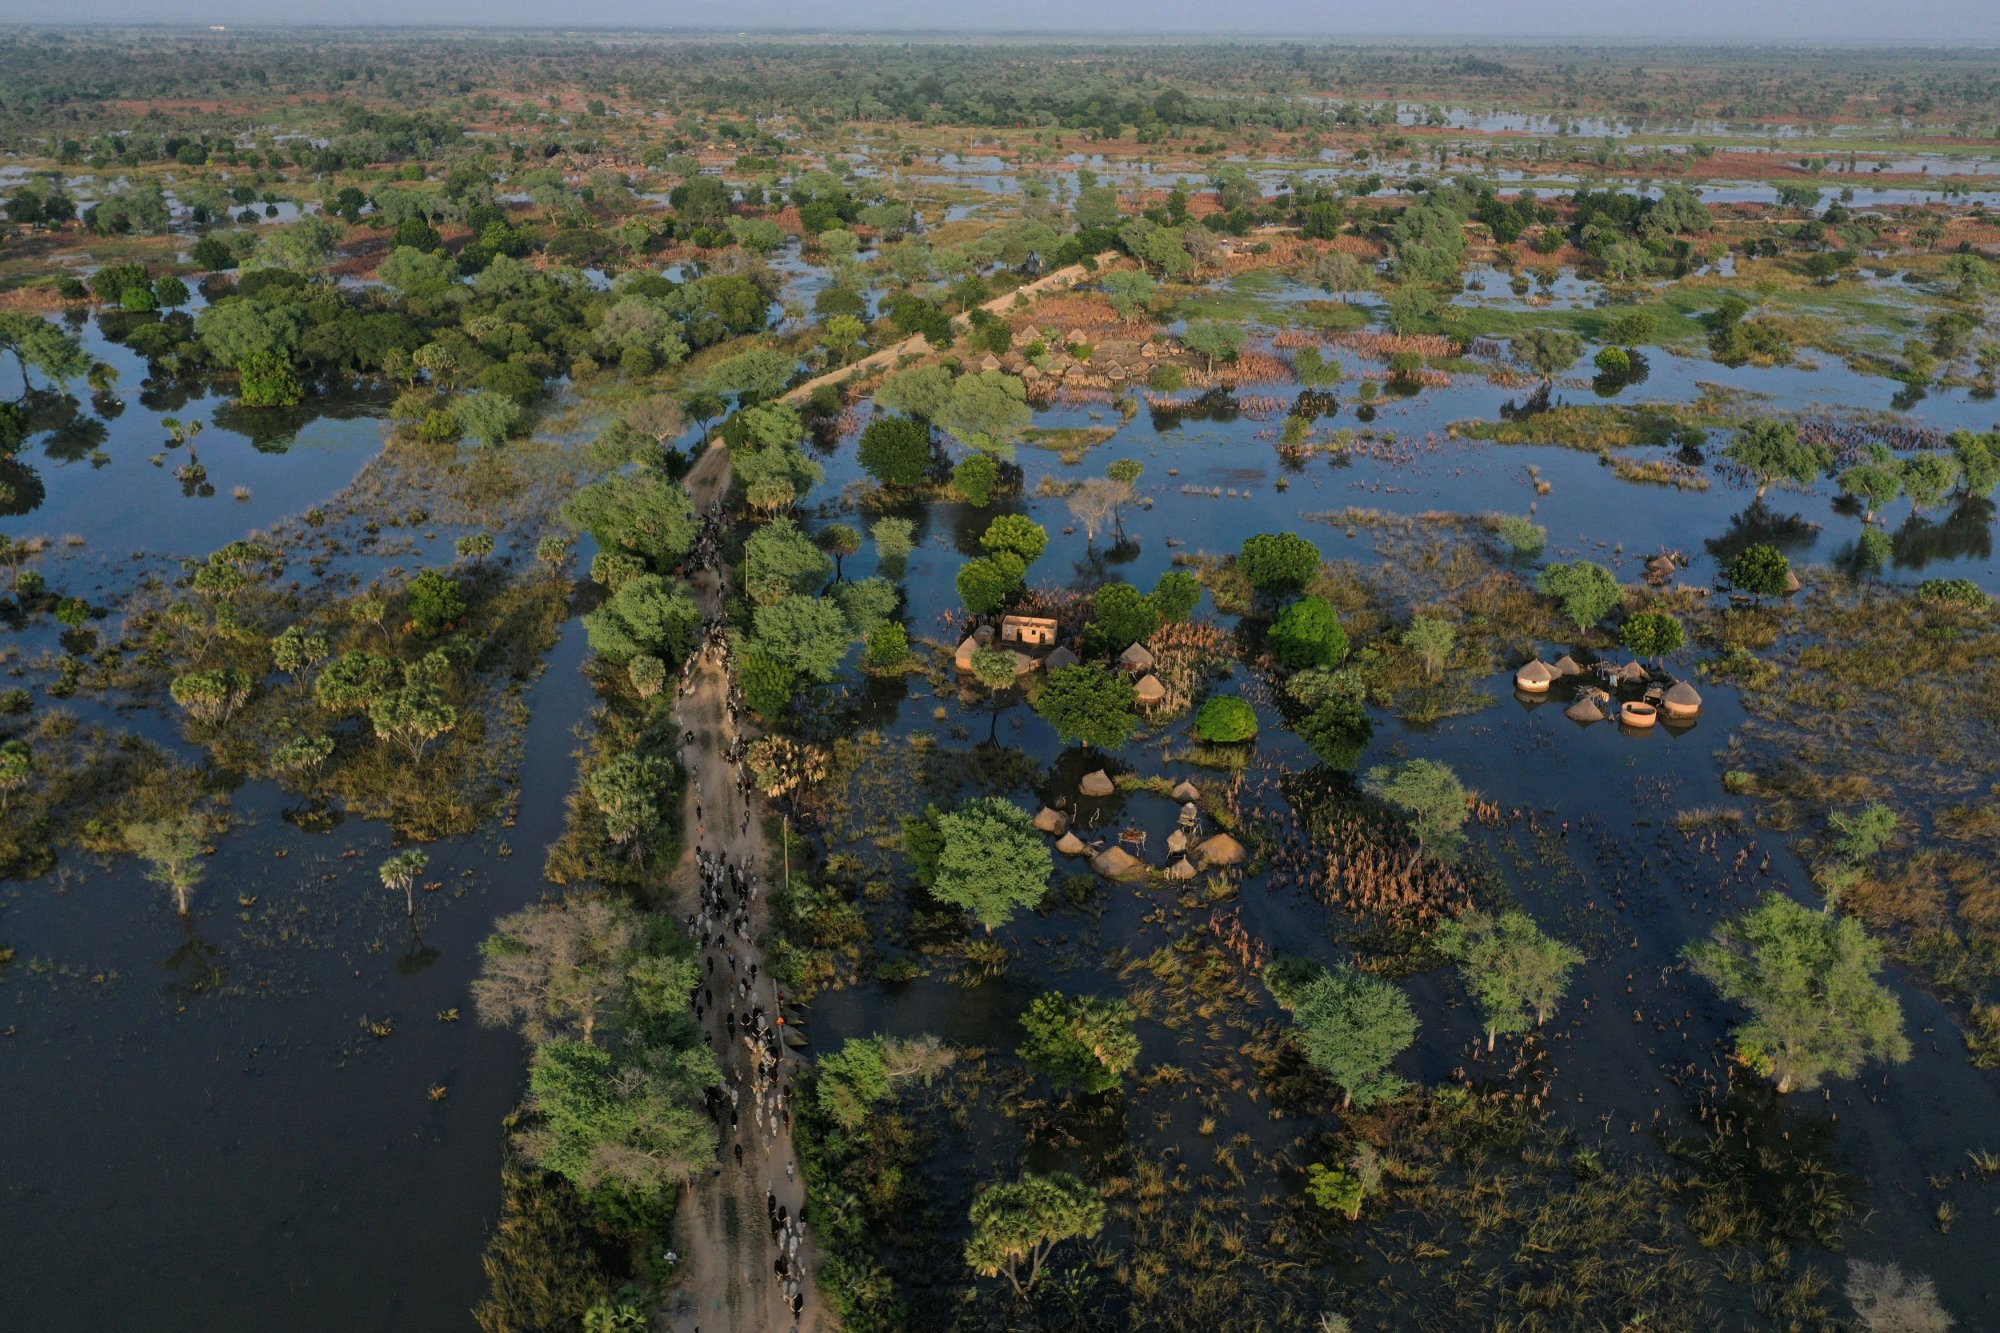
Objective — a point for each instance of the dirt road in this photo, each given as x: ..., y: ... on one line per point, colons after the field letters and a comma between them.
x: 722, y: 1232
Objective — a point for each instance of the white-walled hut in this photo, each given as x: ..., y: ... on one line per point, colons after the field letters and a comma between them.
x: 1535, y: 677
x: 1681, y: 702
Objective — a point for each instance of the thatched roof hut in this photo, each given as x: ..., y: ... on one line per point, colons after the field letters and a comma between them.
x: 1177, y: 842
x: 1114, y: 862
x: 1071, y: 845
x: 1681, y: 701
x: 1060, y: 658
x: 1186, y: 792
x: 962, y: 659
x: 1023, y: 664
x: 989, y: 362
x: 1098, y: 783
x: 1567, y: 666
x: 1534, y: 677
x: 1220, y: 850
x: 1792, y: 583
x: 1634, y: 674
x: 1585, y: 711
x: 1148, y: 689
x: 1190, y: 814
x: 1180, y: 868
x: 1052, y: 822
x: 1136, y: 658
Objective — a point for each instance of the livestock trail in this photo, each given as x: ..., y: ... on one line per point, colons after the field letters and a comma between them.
x: 725, y: 1229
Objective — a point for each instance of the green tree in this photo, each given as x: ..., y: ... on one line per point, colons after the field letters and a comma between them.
x: 1653, y: 634
x: 976, y: 478
x: 414, y: 716
x: 1353, y: 1026
x: 267, y: 380
x: 888, y: 645
x: 172, y: 849
x: 1226, y: 720
x: 642, y: 515
x: 1517, y: 973
x: 924, y: 392
x: 1130, y: 291
x: 753, y: 376
x: 1016, y: 535
x: 1431, y: 640
x: 1020, y: 1222
x: 402, y: 871
x: 897, y: 451
x: 1121, y: 616
x: 1548, y: 352
x: 988, y: 411
x: 991, y: 860
x: 1874, y: 485
x: 1771, y: 451
x: 1433, y: 798
x: 988, y: 583
x: 806, y: 634
x: 1978, y: 458
x: 632, y: 1129
x: 1277, y: 563
x: 647, y: 616
x: 296, y: 650
x: 435, y: 601
x: 1928, y: 478
x: 1525, y: 538
x: 1338, y: 730
x: 780, y: 560
x: 487, y: 417
x: 1213, y: 340
x: 840, y: 541
x: 1088, y: 704
x: 1080, y: 1041
x: 1760, y: 570
x: 17, y: 770
x: 1587, y: 591
x: 1175, y: 595
x: 1808, y: 982
x: 1308, y: 634
x: 629, y: 792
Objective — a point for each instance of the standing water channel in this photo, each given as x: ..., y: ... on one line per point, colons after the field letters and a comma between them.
x: 283, y: 1108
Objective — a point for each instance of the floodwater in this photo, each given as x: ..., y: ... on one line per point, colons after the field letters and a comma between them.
x: 1639, y: 1045
x: 202, y: 1125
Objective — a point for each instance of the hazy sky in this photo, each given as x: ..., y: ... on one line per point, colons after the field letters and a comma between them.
x: 1945, y: 22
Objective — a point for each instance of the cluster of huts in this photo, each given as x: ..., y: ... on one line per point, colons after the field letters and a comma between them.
x: 1598, y: 687
x: 1189, y: 853
x: 1032, y: 640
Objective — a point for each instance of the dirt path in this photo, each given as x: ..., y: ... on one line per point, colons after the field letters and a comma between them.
x: 916, y: 344
x: 722, y: 1231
